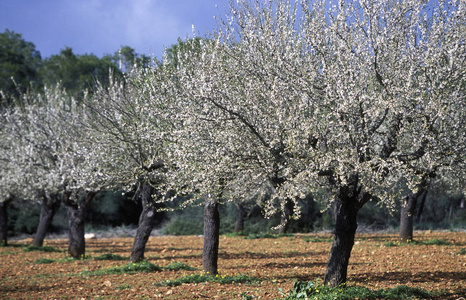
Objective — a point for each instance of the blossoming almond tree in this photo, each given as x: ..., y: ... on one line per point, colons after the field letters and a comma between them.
x: 9, y: 185
x: 346, y: 94
x: 391, y: 100
x: 17, y: 179
x: 212, y: 158
x: 47, y: 140
x: 132, y: 122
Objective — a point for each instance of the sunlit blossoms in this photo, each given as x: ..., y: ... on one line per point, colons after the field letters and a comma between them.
x: 293, y: 96
x: 46, y: 138
x: 349, y: 100
x: 354, y: 96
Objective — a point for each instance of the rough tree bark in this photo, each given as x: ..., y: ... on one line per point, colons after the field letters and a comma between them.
x: 146, y: 222
x: 286, y: 217
x: 240, y: 215
x: 347, y: 204
x: 408, y: 208
x: 50, y: 205
x: 4, y: 221
x: 76, y: 211
x: 422, y: 201
x: 211, y: 236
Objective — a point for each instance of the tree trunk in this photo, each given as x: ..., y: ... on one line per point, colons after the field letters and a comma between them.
x: 422, y: 202
x: 347, y: 204
x: 211, y: 237
x: 286, y: 216
x: 408, y: 208
x: 343, y: 241
x: 4, y: 221
x: 240, y: 214
x: 146, y: 223
x: 50, y: 205
x: 76, y: 211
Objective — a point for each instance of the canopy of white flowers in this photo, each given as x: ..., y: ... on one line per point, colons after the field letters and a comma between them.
x: 284, y: 97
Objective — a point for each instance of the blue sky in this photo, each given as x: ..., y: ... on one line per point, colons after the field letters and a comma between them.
x: 103, y: 26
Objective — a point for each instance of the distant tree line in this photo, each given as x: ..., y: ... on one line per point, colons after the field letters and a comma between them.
x: 23, y: 69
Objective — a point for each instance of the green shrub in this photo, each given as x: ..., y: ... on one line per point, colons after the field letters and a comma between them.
x: 198, y: 278
x: 23, y: 217
x: 311, y: 290
x: 462, y: 251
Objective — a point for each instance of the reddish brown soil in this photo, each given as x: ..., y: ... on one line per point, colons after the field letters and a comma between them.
x: 278, y: 262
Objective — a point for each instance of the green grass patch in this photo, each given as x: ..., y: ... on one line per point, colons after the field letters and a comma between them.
x: 267, y: 236
x: 49, y: 261
x: 123, y: 287
x: 130, y: 268
x: 176, y: 266
x: 198, y: 278
x: 437, y: 242
x: 393, y: 244
x: 462, y: 251
x: 235, y: 234
x: 2, y: 245
x: 44, y: 261
x: 317, y: 239
x: 110, y: 256
x: 311, y: 290
x: 41, y: 249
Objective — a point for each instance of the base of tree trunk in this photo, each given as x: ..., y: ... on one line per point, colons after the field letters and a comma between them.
x: 146, y: 223
x: 408, y: 209
x: 4, y: 222
x: 76, y: 215
x: 211, y: 237
x: 49, y: 207
x: 345, y: 229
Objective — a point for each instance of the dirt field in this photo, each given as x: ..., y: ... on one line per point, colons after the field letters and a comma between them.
x: 377, y: 262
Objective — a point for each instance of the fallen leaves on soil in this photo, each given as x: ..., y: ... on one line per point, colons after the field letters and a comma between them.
x: 377, y: 261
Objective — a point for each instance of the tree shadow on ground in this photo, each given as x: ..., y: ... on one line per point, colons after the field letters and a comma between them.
x: 262, y: 255
x: 408, y: 277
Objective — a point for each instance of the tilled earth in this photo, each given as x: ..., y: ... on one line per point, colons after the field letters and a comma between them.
x: 377, y: 261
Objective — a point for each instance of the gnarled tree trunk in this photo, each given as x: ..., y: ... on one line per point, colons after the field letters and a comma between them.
x: 347, y: 204
x: 50, y: 205
x: 76, y: 211
x: 408, y: 208
x: 211, y: 236
x: 146, y: 222
x: 422, y: 201
x: 286, y: 217
x: 4, y: 221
